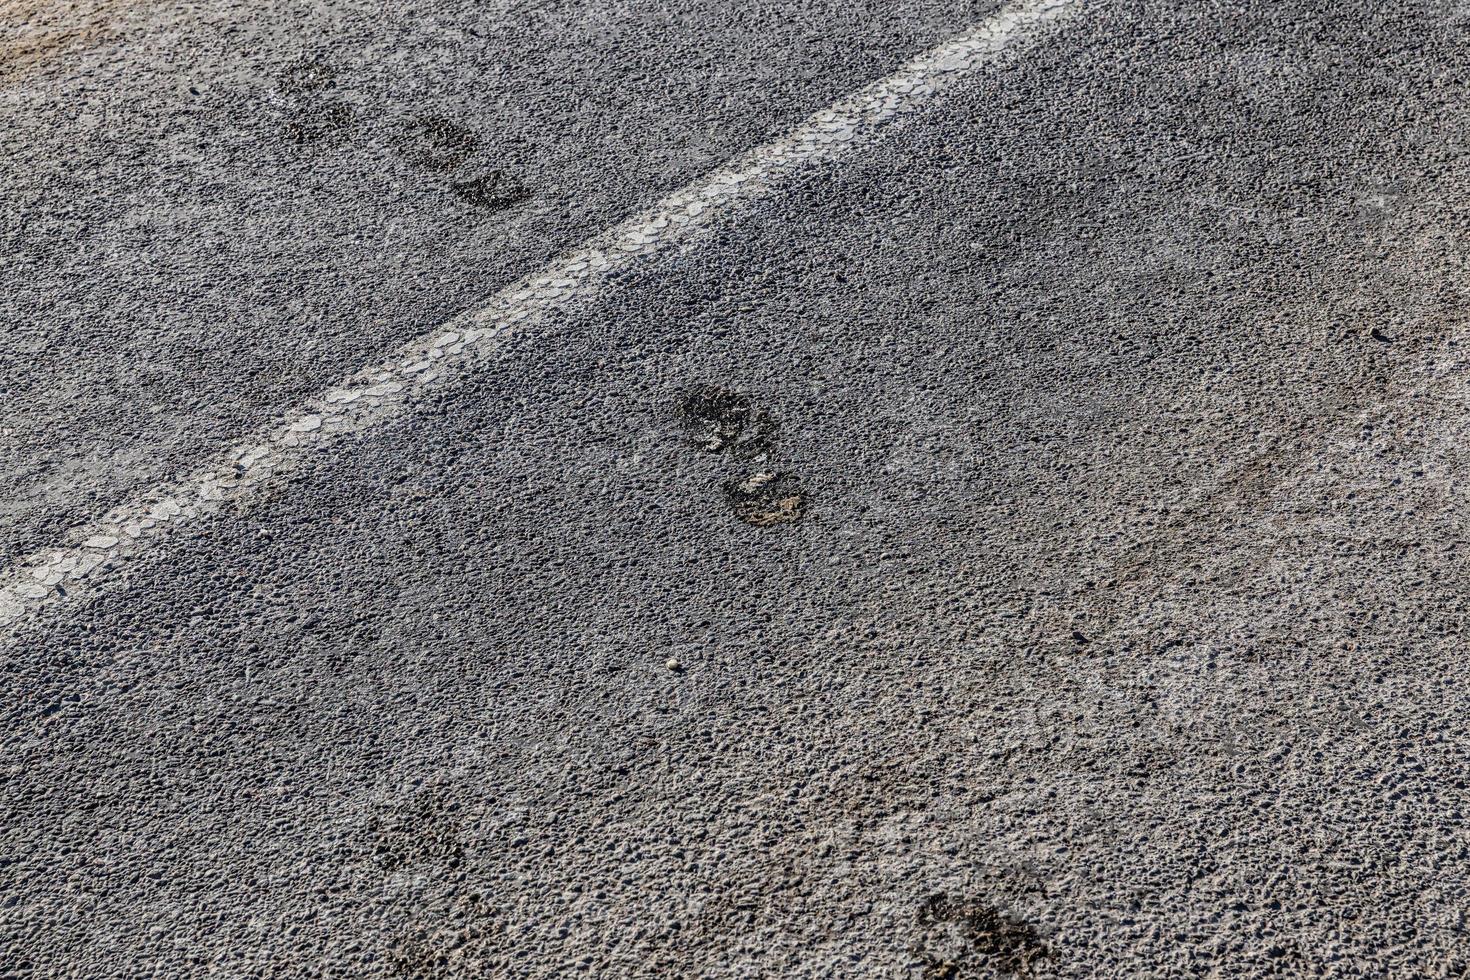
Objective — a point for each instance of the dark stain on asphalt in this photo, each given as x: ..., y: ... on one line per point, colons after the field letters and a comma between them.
x: 766, y: 498
x: 319, y: 121
x: 718, y: 419
x: 435, y: 143
x: 311, y: 117
x: 422, y: 831
x: 721, y: 420
x: 493, y: 191
x: 431, y: 143
x: 306, y: 76
x: 990, y: 941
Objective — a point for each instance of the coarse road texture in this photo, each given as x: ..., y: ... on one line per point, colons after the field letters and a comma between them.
x: 93, y: 555
x: 214, y: 213
x: 1104, y: 617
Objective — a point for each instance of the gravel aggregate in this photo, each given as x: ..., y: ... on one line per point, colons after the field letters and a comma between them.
x: 1101, y: 614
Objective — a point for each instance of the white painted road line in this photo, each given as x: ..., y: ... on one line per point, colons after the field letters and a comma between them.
x: 93, y: 555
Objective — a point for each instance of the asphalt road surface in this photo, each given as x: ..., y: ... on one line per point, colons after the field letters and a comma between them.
x: 1031, y: 544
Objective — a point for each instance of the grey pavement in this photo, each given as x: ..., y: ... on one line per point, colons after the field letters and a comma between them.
x: 212, y: 211
x: 1032, y: 547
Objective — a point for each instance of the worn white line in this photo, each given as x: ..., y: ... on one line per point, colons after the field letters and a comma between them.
x: 93, y: 554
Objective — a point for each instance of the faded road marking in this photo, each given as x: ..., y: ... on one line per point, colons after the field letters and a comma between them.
x: 93, y: 554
